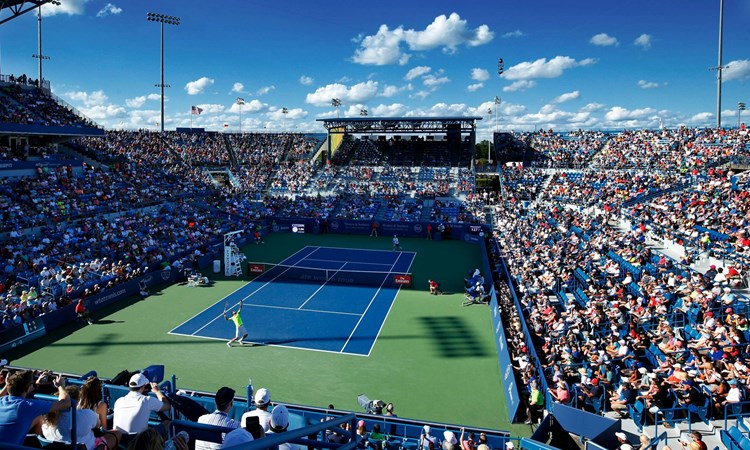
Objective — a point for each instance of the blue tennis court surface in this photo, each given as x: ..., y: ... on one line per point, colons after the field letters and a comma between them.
x: 320, y: 298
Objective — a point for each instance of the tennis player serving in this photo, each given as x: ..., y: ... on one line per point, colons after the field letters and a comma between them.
x: 240, y: 331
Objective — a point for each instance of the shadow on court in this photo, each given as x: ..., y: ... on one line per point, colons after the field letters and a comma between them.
x: 453, y: 338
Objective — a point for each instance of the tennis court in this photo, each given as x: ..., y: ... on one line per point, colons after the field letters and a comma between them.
x: 320, y: 298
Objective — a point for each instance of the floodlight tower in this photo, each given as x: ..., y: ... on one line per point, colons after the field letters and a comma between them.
x: 740, y: 107
x: 284, y: 112
x: 169, y: 20
x: 40, y: 56
x: 719, y: 67
x: 336, y: 103
x: 240, y: 102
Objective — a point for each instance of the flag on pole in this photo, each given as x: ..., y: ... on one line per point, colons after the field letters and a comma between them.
x: 195, y: 110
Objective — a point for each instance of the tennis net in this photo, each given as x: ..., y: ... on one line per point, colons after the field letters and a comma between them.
x: 271, y: 272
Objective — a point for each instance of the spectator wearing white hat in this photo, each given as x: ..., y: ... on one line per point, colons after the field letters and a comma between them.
x: 262, y: 401
x: 236, y: 437
x: 131, y: 412
x: 279, y: 423
x: 425, y: 439
x: 449, y: 440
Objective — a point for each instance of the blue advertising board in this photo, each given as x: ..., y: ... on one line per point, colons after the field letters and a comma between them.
x: 512, y: 396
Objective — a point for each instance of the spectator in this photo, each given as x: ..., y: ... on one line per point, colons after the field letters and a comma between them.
x: 56, y: 426
x: 262, y: 401
x: 18, y: 415
x: 82, y: 313
x: 279, y: 423
x: 91, y: 399
x: 237, y: 437
x: 426, y: 440
x: 132, y: 411
x: 224, y: 400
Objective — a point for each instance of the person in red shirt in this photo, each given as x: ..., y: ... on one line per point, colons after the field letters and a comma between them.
x: 82, y: 313
x: 434, y: 288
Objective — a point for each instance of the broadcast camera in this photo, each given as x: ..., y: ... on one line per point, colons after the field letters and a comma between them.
x: 371, y: 406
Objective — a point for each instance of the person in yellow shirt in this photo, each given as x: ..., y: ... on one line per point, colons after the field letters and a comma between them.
x: 240, y: 331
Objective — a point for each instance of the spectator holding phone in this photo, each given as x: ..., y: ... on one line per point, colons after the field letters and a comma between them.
x: 19, y: 415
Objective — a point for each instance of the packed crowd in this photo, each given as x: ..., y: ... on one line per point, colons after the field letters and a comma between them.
x: 718, y: 204
x: 606, y: 313
x: 571, y: 150
x: 610, y: 189
x: 23, y: 103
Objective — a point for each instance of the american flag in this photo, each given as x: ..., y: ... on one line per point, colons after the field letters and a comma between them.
x: 195, y: 110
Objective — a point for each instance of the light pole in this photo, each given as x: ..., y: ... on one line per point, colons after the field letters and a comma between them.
x: 240, y: 102
x: 284, y: 111
x: 336, y: 103
x: 740, y: 107
x: 169, y: 20
x: 718, y: 66
x: 39, y: 55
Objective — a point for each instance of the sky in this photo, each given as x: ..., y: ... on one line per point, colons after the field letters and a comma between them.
x: 610, y: 64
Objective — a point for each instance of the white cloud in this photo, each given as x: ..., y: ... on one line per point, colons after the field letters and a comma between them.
x: 567, y: 97
x: 253, y: 106
x: 103, y: 112
x: 238, y: 87
x: 618, y: 113
x: 736, y: 70
x: 109, y: 10
x: 392, y: 110
x: 305, y: 80
x: 643, y: 84
x: 265, y: 89
x: 447, y: 33
x: 421, y: 94
x: 198, y: 86
x: 513, y: 34
x: 417, y: 72
x: 96, y: 98
x: 478, y: 74
x: 391, y: 90
x: 701, y: 118
x: 541, y: 68
x: 139, y: 101
x: 643, y: 40
x: 136, y: 102
x: 592, y: 107
x: 474, y: 87
x: 69, y: 7
x: 434, y: 81
x: 292, y: 114
x: 604, y: 40
x: 210, y: 108
x: 360, y: 92
x: 520, y: 85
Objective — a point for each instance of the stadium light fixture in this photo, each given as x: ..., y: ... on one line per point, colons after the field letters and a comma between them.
x: 363, y: 112
x: 169, y: 20
x: 284, y: 111
x: 336, y: 103
x: 39, y: 55
x: 740, y: 107
x: 240, y: 102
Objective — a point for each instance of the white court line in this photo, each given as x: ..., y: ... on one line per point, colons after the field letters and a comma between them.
x: 367, y: 309
x: 270, y: 345
x: 322, y: 285
x: 362, y: 249
x: 304, y: 310
x: 382, y: 324
x: 347, y: 262
x: 243, y: 299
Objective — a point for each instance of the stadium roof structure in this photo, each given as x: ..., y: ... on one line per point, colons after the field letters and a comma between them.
x: 350, y: 125
x: 19, y: 7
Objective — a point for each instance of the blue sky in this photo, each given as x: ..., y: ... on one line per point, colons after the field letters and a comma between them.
x: 568, y: 64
